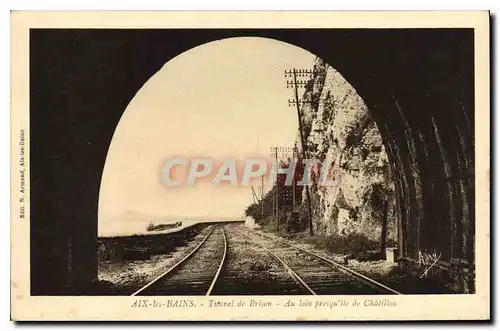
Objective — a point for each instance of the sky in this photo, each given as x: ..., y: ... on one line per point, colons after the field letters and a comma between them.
x: 224, y: 99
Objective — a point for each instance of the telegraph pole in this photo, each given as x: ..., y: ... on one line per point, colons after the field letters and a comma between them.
x: 295, y: 84
x: 254, y: 195
x: 277, y: 191
x: 262, y: 197
x: 273, y: 198
x: 293, y: 181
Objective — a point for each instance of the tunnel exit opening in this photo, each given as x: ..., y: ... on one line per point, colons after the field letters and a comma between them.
x: 420, y: 97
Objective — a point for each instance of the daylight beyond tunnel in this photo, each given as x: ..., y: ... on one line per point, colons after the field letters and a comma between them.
x: 403, y: 164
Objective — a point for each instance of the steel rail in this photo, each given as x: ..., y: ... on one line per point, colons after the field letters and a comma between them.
x: 178, y: 264
x: 212, y: 285
x: 366, y: 279
x: 292, y: 273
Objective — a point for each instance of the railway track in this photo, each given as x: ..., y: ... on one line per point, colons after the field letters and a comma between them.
x: 254, y: 263
x: 252, y: 270
x: 197, y: 273
x: 314, y: 273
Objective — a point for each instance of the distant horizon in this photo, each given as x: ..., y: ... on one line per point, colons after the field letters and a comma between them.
x: 130, y: 221
x: 140, y: 226
x: 220, y: 100
x: 127, y: 213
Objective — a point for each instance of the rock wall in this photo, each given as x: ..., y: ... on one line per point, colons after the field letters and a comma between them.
x: 338, y: 127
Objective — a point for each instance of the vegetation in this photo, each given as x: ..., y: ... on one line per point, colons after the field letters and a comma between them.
x: 355, y: 245
x: 151, y: 226
x: 263, y: 210
x: 295, y: 224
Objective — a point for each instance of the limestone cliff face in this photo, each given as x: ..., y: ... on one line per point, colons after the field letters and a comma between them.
x: 338, y: 127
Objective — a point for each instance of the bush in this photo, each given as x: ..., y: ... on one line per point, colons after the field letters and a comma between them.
x: 354, y: 244
x: 317, y: 241
x: 294, y: 223
x: 269, y: 224
x: 151, y: 226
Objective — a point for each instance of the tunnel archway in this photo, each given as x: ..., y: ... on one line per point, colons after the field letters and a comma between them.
x: 418, y: 84
x: 425, y: 133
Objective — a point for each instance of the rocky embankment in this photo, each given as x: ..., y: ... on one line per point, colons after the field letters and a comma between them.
x: 339, y: 127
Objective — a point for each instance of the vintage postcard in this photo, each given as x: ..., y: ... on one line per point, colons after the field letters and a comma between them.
x: 262, y: 166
